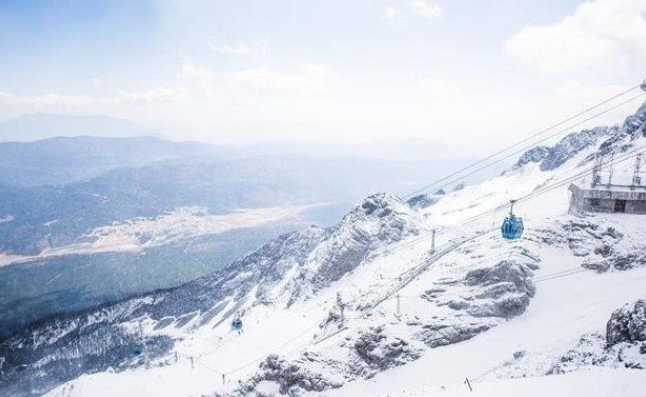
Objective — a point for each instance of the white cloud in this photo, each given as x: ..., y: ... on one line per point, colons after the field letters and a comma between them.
x: 189, y: 71
x: 159, y: 95
x: 440, y: 89
x: 426, y: 9
x: 242, y: 48
x: 311, y: 79
x: 602, y: 36
x: 53, y: 99
x: 391, y: 13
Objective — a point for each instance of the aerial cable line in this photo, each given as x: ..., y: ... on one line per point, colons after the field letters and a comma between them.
x: 533, y: 136
x: 545, y: 189
x: 623, y: 157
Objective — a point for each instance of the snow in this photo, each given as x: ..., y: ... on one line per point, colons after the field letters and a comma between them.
x: 561, y: 311
x: 590, y: 383
x: 400, y: 290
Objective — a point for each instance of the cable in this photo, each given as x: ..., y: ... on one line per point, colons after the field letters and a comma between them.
x: 420, y: 269
x: 526, y: 140
x: 545, y: 189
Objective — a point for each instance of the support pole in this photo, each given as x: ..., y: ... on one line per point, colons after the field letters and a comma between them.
x: 596, y: 177
x: 433, y: 242
x: 398, y: 305
x: 637, y: 180
x: 466, y: 380
x: 612, y: 168
x: 143, y: 343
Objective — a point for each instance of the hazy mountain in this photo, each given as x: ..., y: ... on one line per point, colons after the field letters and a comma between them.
x: 36, y: 126
x: 64, y: 160
x: 407, y: 149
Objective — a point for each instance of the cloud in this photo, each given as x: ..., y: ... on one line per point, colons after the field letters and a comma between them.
x: 52, y: 99
x: 242, y: 48
x: 426, y: 9
x: 156, y: 96
x: 601, y: 36
x: 310, y: 80
x: 440, y: 89
x: 391, y: 13
x: 189, y: 71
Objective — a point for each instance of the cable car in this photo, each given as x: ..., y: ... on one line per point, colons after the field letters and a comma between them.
x: 512, y: 227
x: 236, y: 325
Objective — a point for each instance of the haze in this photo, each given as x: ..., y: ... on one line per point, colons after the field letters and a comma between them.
x: 458, y: 72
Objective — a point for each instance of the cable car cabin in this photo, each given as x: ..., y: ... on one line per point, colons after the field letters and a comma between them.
x: 236, y: 324
x: 512, y: 228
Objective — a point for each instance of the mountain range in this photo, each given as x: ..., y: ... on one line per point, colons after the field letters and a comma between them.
x: 127, y: 216
x: 369, y: 307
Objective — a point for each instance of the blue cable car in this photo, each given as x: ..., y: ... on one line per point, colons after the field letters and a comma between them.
x: 236, y: 325
x: 512, y: 227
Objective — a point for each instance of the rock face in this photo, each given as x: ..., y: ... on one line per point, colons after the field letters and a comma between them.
x: 551, y: 158
x: 614, y: 138
x: 603, y: 245
x: 506, y: 290
x: 381, y: 351
x: 627, y: 324
x: 381, y: 219
x: 427, y: 200
x: 292, y: 377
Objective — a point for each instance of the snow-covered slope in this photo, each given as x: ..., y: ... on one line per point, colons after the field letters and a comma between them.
x: 366, y: 308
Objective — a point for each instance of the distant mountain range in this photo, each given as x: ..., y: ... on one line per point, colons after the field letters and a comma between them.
x: 62, y: 160
x: 31, y: 127
x: 131, y: 215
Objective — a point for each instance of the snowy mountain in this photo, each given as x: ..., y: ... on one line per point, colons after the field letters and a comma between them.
x: 170, y: 213
x: 367, y: 308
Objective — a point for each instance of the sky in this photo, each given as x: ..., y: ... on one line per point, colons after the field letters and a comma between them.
x: 466, y: 72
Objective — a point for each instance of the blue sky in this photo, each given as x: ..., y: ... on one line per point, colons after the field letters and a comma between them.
x: 249, y: 70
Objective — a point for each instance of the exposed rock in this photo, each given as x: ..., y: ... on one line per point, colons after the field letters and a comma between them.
x: 435, y: 335
x: 505, y: 271
x: 506, y: 307
x: 533, y: 155
x: 292, y: 377
x: 627, y: 324
x: 381, y: 351
x: 551, y: 158
x: 426, y: 200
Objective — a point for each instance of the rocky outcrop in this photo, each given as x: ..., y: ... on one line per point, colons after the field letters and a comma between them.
x: 602, y: 245
x: 380, y: 220
x: 292, y: 377
x: 553, y: 157
x: 442, y: 334
x: 506, y: 290
x: 379, y: 351
x: 627, y: 324
x: 427, y: 200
